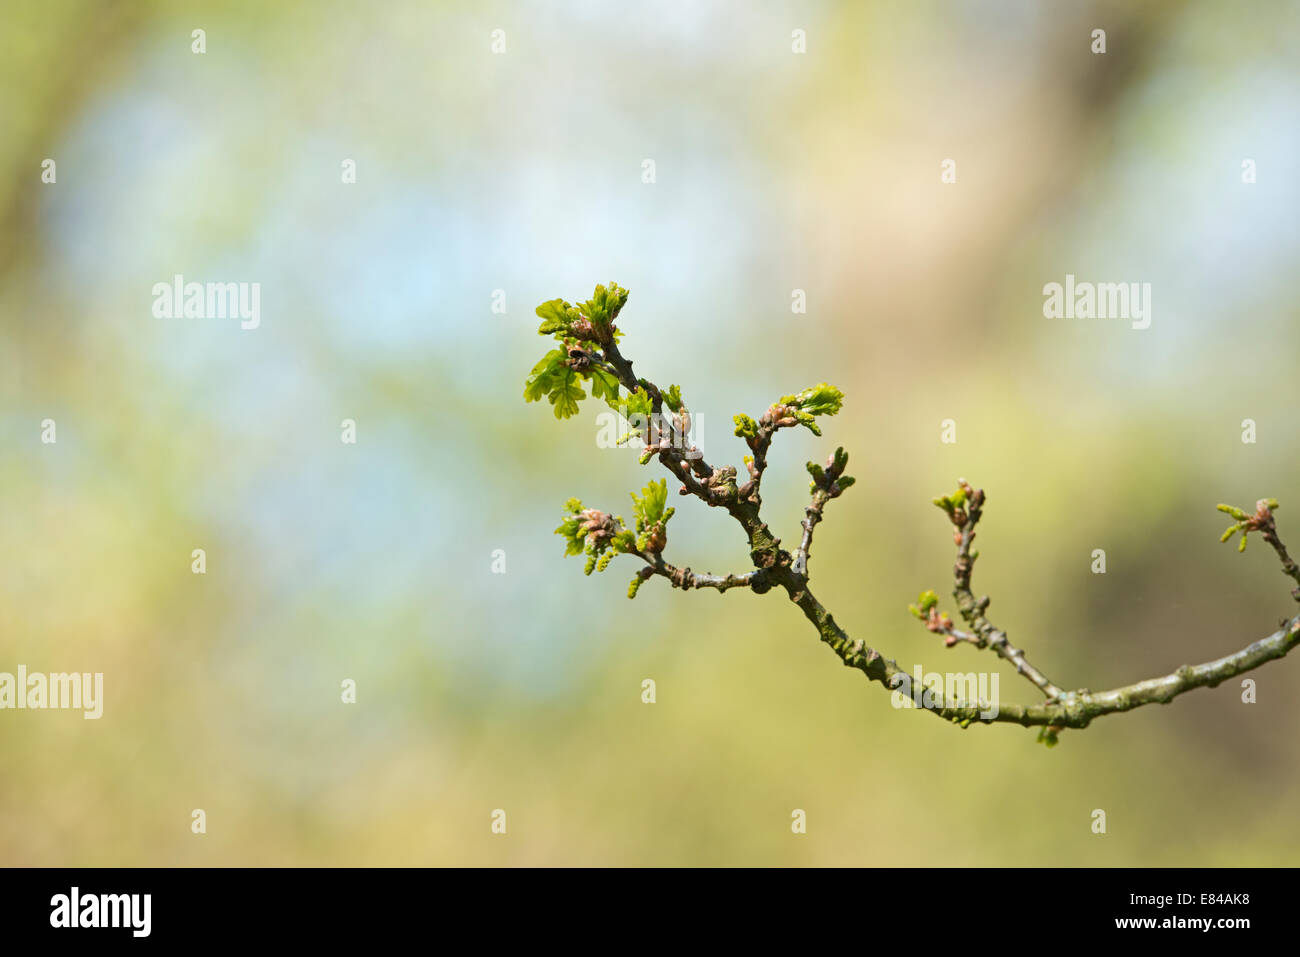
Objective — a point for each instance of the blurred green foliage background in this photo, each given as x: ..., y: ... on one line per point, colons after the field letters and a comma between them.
x: 522, y: 172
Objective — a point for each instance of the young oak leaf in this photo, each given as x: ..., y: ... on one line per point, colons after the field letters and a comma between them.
x: 557, y: 317
x: 542, y: 379
x: 575, y: 538
x: 553, y: 378
x: 605, y: 304
x: 673, y: 398
x: 604, y: 385
x: 636, y: 403
x: 649, y: 508
x: 822, y: 399
x: 566, y: 393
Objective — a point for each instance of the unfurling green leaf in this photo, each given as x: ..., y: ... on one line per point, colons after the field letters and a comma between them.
x: 806, y: 419
x: 549, y: 370
x: 604, y: 384
x: 557, y: 316
x: 649, y: 508
x: 598, y: 535
x: 821, y: 399
x: 673, y: 398
x: 635, y: 404
x: 950, y: 503
x: 927, y: 600
x: 553, y: 378
x: 605, y: 304
x: 818, y: 475
x: 575, y: 539
x: 746, y: 427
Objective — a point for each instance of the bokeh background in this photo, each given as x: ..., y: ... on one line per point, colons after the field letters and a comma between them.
x: 521, y: 172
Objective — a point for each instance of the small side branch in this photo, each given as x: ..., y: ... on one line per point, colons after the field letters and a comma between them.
x: 1072, y: 709
x: 758, y: 436
x: 964, y: 509
x: 812, y: 515
x: 827, y: 484
x: 787, y: 413
x: 686, y: 579
x: 1264, y: 523
x: 756, y: 464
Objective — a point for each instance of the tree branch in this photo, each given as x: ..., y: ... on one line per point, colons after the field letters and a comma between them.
x: 686, y: 579
x: 1263, y: 522
x: 964, y: 508
x: 759, y: 443
x: 589, y: 343
x: 812, y: 515
x: 826, y: 484
x: 1072, y: 709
